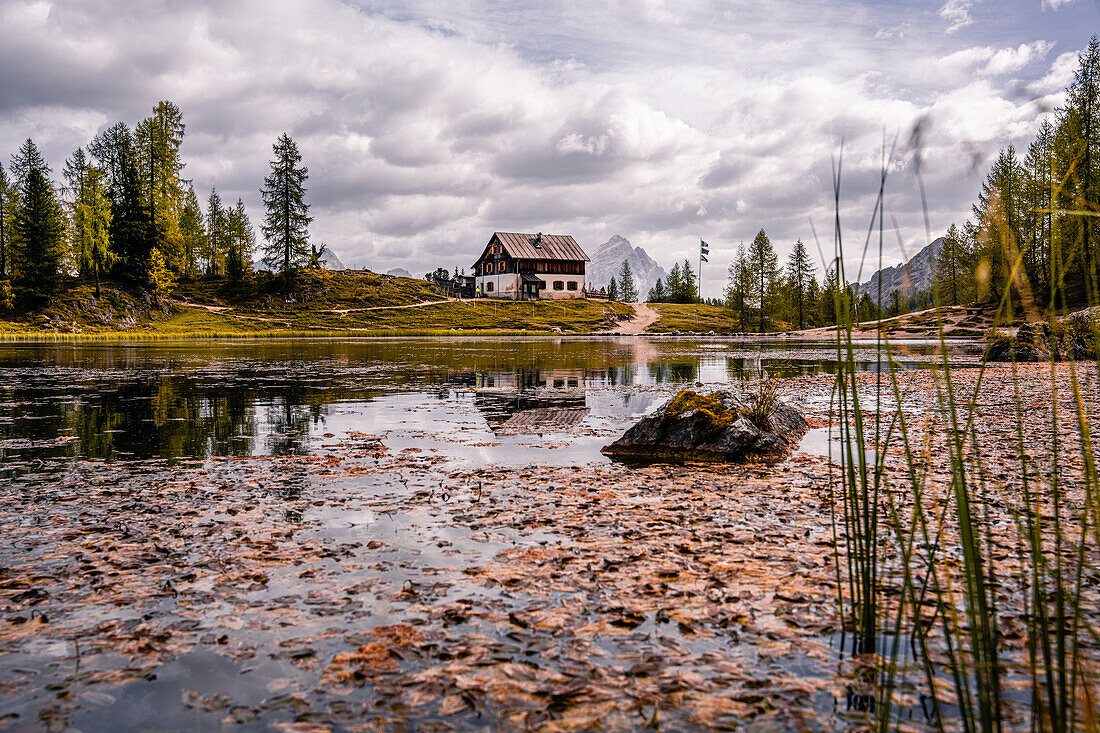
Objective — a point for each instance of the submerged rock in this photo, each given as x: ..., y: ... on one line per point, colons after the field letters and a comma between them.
x: 714, y: 426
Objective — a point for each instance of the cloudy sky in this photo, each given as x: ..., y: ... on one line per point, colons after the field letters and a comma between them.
x: 428, y: 124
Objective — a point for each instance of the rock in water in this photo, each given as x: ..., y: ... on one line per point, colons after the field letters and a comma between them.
x: 711, y: 427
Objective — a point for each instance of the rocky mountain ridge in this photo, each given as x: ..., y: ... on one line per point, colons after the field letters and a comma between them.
x: 907, y: 278
x: 608, y: 259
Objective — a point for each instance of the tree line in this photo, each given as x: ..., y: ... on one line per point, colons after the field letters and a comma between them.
x: 1033, y: 234
x: 123, y: 210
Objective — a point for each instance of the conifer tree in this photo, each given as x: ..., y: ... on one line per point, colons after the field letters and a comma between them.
x: 93, y: 210
x: 133, y: 232
x: 689, y: 292
x: 1078, y: 149
x: 628, y: 292
x: 157, y: 143
x: 192, y: 232
x: 657, y: 292
x: 764, y: 265
x: 1038, y: 185
x: 39, y: 238
x: 74, y: 173
x: 286, y: 222
x: 28, y: 159
x: 113, y: 150
x: 217, y: 235
x: 996, y: 226
x: 951, y: 270
x: 613, y: 290
x: 674, y: 284
x: 7, y: 208
x: 241, y: 242
x: 800, y: 271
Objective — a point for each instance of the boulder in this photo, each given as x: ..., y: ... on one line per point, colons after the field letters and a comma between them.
x: 716, y: 427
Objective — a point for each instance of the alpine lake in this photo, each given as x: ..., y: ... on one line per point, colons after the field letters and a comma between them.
x: 410, y: 533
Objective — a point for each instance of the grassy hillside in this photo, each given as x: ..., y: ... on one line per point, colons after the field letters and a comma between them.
x: 693, y: 317
x: 320, y: 303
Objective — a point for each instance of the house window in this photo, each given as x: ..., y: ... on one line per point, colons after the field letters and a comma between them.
x: 489, y: 286
x: 559, y: 285
x: 542, y: 285
x: 572, y: 284
x: 500, y: 267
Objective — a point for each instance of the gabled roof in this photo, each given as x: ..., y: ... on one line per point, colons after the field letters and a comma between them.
x: 551, y: 246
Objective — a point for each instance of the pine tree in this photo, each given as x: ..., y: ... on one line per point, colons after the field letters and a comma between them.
x: 157, y: 143
x: 7, y: 209
x: 93, y: 210
x: 217, y: 236
x: 286, y: 222
x: 133, y: 230
x: 192, y: 232
x: 739, y: 286
x: 996, y: 226
x: 689, y: 292
x: 28, y: 159
x: 628, y: 292
x: 39, y: 237
x: 800, y: 271
x: 613, y: 290
x: 113, y: 149
x: 951, y: 270
x: 674, y: 284
x: 657, y: 292
x: 764, y: 265
x: 1079, y: 157
x: 1037, y: 190
x: 74, y: 172
x: 241, y: 242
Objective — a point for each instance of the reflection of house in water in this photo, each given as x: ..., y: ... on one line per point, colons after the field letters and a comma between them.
x: 531, y: 400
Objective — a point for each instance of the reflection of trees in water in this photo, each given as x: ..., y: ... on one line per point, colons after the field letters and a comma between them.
x: 674, y: 372
x: 289, y: 420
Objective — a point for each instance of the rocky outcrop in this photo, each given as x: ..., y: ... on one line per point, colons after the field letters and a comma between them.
x: 715, y: 426
x: 1072, y: 338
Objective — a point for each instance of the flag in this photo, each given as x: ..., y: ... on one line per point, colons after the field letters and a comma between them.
x: 704, y: 250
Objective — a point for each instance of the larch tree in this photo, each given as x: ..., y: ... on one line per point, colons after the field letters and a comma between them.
x: 93, y: 209
x: 286, y: 222
x: 800, y: 273
x: 764, y: 264
x: 628, y: 292
x: 157, y: 141
x: 1078, y: 151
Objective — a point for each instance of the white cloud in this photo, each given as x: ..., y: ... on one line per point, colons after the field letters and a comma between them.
x: 957, y: 14
x: 428, y: 124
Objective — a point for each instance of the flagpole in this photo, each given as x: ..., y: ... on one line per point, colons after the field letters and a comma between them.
x: 700, y: 269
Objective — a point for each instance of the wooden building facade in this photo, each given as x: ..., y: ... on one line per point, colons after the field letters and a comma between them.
x: 531, y: 267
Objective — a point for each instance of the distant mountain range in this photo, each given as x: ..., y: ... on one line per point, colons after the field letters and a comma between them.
x: 908, y: 278
x: 608, y: 260
x: 398, y: 272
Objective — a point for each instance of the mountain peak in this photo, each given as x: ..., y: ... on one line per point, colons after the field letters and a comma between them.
x: 608, y: 259
x: 908, y: 278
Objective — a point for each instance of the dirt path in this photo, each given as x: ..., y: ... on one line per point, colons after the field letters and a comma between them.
x: 345, y: 311
x: 644, y: 317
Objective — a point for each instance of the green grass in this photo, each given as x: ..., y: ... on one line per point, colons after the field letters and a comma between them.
x: 693, y: 317
x: 355, y: 303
